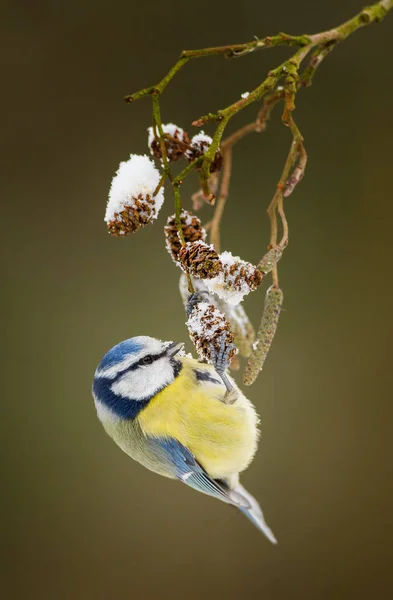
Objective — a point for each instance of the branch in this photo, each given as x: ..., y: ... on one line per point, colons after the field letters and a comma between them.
x: 229, y: 51
x: 281, y: 84
x: 224, y: 189
x: 325, y: 40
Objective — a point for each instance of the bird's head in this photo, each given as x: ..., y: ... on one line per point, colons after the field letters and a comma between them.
x: 131, y: 373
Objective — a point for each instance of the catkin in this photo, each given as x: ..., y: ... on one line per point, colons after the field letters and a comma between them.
x: 269, y: 261
x: 267, y: 329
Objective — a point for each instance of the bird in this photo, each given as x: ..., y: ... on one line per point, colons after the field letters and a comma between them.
x: 177, y: 417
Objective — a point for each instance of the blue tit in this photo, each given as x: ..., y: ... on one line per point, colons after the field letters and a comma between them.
x: 174, y: 415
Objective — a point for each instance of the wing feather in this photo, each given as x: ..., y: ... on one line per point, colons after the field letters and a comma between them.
x: 191, y: 472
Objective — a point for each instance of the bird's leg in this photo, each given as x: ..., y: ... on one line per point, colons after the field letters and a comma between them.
x: 221, y: 363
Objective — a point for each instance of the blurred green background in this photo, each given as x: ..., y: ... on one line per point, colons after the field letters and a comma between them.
x: 81, y: 519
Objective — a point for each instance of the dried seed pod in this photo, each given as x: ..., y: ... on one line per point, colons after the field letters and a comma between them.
x: 132, y: 203
x: 207, y: 325
x: 200, y: 260
x: 236, y: 279
x: 175, y: 147
x: 271, y: 258
x: 267, y: 329
x: 200, y: 144
x: 192, y: 231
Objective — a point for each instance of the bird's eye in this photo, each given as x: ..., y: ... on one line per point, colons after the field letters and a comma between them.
x: 146, y: 360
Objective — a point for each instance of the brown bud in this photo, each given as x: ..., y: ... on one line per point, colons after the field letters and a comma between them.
x: 192, y: 231
x: 200, y: 260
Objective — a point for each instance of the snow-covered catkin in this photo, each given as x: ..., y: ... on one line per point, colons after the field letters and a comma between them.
x: 192, y: 231
x: 236, y: 279
x: 267, y: 329
x: 199, y: 260
x: 207, y: 325
x: 132, y: 203
x: 200, y: 144
x: 175, y: 147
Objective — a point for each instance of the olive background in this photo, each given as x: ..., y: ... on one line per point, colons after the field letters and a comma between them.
x: 81, y: 520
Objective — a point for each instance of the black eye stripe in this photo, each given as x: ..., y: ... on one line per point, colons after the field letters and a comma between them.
x: 145, y: 360
x: 139, y: 363
x: 153, y: 358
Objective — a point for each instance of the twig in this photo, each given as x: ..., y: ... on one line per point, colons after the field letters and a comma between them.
x: 224, y: 188
x: 317, y: 57
x: 298, y: 172
x: 238, y: 135
x: 277, y: 200
x: 229, y: 51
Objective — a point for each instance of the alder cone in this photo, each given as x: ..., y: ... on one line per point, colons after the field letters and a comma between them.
x: 192, y: 231
x: 195, y: 153
x: 240, y: 273
x: 140, y: 212
x: 200, y: 260
x: 175, y: 148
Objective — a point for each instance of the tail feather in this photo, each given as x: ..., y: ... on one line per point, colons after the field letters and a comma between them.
x: 254, y: 512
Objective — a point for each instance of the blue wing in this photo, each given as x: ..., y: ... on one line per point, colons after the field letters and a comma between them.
x: 186, y: 468
x: 181, y: 462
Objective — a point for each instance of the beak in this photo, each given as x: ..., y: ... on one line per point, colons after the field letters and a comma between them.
x: 174, y: 348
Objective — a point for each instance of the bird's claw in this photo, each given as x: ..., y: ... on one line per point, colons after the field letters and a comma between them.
x: 221, y: 361
x: 193, y: 300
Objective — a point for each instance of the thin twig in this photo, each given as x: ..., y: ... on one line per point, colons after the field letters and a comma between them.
x: 238, y: 135
x: 229, y: 51
x: 224, y: 189
x: 298, y: 171
x: 317, y: 57
x: 277, y: 202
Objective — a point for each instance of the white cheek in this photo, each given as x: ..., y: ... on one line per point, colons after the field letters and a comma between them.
x: 103, y: 413
x: 144, y: 382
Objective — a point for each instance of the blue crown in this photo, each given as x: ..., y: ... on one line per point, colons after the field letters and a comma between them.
x: 119, y: 352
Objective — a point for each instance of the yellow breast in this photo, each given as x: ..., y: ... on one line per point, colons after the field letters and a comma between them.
x: 222, y: 437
